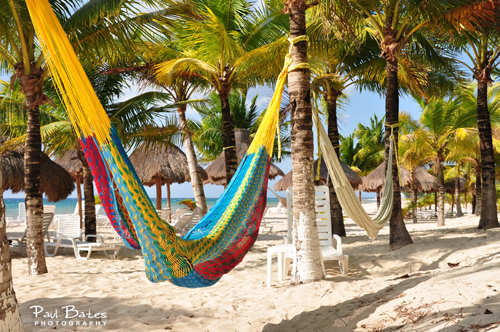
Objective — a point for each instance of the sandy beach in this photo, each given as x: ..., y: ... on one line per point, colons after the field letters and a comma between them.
x: 446, y: 281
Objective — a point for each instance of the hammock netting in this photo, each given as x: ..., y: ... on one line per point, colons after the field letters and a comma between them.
x: 222, y: 237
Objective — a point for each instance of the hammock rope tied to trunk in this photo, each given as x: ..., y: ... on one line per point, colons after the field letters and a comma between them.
x: 346, y: 195
x: 222, y: 237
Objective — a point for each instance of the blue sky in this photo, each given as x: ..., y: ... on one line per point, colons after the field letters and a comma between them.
x: 360, y: 108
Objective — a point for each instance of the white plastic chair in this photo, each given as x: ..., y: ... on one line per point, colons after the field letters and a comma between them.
x: 21, y: 243
x: 324, y: 223
x: 21, y: 217
x: 68, y: 230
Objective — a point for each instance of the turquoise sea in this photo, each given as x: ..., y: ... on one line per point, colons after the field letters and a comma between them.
x: 68, y: 205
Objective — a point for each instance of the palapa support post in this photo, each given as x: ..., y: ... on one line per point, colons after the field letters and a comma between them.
x: 168, y: 195
x: 158, y: 192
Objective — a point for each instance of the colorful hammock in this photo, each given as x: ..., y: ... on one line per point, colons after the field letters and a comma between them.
x: 221, y: 239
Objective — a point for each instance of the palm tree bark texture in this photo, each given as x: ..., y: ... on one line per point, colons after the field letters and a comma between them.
x: 88, y: 193
x: 457, y: 195
x: 10, y: 319
x: 489, y: 218
x: 196, y: 181
x: 440, y: 177
x: 228, y: 131
x: 399, y: 236
x: 478, y: 195
x: 32, y: 86
x: 305, y: 234
x: 333, y: 134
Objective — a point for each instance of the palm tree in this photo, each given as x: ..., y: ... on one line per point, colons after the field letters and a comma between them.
x: 305, y: 235
x: 440, y: 122
x: 398, y: 26
x: 10, y: 319
x: 479, y: 41
x: 229, y: 46
x: 100, y: 31
x: 58, y: 135
x: 207, y: 132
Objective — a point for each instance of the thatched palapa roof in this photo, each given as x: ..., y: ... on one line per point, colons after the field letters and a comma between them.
x: 426, y: 183
x: 287, y: 180
x: 72, y: 164
x: 55, y: 182
x: 375, y: 181
x: 168, y: 162
x: 449, y: 186
x: 216, y: 171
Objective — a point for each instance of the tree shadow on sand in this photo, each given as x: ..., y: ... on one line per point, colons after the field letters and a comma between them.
x: 345, y: 315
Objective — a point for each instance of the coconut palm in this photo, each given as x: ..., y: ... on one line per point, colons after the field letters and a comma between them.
x: 305, y: 235
x: 100, y: 31
x: 8, y: 299
x: 441, y: 122
x: 58, y: 135
x: 229, y: 46
x: 399, y: 28
x: 479, y: 41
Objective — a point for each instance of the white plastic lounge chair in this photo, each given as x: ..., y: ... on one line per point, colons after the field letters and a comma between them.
x: 286, y: 252
x: 278, y: 209
x: 21, y: 217
x: 165, y: 214
x: 20, y: 244
x: 67, y: 236
x: 49, y: 209
x: 177, y: 215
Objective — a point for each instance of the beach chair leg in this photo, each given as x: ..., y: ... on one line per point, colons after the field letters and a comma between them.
x: 344, y: 265
x: 45, y: 248
x: 280, y: 265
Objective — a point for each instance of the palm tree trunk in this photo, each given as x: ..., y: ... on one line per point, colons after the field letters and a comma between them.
x: 158, y: 193
x: 435, y: 202
x: 414, y: 196
x: 489, y: 218
x: 194, y: 172
x: 338, y: 226
x: 79, y: 198
x: 88, y: 193
x: 378, y: 200
x: 399, y: 236
x: 228, y: 138
x: 10, y: 319
x: 440, y: 177
x: 32, y: 86
x: 457, y: 195
x: 34, y: 201
x: 305, y: 233
x: 479, y: 193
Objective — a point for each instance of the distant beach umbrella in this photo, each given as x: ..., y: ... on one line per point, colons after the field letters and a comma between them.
x: 55, y: 182
x: 353, y: 178
x: 216, y: 171
x: 162, y: 164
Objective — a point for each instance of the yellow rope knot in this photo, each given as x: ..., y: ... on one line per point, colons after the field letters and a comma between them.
x: 292, y: 42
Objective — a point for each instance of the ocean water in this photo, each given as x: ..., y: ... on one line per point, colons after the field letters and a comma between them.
x: 68, y: 205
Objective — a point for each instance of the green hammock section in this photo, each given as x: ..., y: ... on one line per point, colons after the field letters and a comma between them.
x: 346, y: 195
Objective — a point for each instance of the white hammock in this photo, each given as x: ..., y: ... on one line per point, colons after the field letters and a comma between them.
x: 346, y: 195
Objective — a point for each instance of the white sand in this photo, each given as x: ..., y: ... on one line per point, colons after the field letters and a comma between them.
x: 373, y: 297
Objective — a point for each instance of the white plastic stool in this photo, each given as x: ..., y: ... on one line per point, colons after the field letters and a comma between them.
x: 280, y: 250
